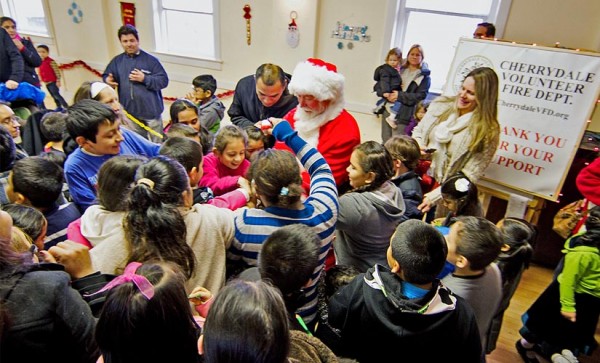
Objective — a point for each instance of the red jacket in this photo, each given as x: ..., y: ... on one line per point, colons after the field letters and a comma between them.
x: 337, y: 140
x: 46, y: 71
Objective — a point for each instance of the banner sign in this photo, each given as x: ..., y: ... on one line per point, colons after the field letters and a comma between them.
x: 546, y: 98
x: 128, y: 13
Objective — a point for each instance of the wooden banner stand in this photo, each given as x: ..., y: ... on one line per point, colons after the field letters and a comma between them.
x: 531, y: 211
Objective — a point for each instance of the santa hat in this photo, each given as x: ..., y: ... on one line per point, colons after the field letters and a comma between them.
x: 588, y: 182
x: 317, y: 78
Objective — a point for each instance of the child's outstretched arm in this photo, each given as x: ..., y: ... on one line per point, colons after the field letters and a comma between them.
x: 321, y: 176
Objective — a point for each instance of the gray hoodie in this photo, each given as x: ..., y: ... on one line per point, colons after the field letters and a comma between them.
x: 366, y: 221
x: 211, y: 114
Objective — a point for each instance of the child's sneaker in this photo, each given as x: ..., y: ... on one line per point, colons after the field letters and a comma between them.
x: 569, y: 356
x: 378, y: 110
x: 391, y: 120
x: 528, y: 355
x: 558, y: 358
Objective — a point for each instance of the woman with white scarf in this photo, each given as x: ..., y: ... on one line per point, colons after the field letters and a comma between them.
x: 462, y: 130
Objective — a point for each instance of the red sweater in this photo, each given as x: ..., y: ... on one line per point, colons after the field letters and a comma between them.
x: 337, y: 140
x: 47, y: 73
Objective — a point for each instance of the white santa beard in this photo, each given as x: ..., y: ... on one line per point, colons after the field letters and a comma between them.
x: 308, y: 125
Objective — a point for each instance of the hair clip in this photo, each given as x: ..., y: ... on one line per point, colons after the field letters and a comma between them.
x: 462, y: 184
x: 129, y: 275
x: 284, y: 191
x: 145, y: 181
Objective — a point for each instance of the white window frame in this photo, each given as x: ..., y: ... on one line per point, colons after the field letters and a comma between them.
x: 498, y: 15
x: 8, y: 9
x: 161, y: 33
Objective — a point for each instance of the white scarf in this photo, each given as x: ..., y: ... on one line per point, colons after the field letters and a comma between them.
x: 442, y: 136
x: 308, y: 126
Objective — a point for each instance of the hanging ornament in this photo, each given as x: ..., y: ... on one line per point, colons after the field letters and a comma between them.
x: 293, y: 36
x: 248, y: 16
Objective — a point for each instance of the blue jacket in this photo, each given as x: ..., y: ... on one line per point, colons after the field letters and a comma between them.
x: 143, y: 100
x: 24, y: 91
x: 409, y: 185
x: 81, y: 169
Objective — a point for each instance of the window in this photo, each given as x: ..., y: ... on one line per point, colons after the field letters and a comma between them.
x: 29, y: 15
x: 187, y: 28
x: 438, y: 24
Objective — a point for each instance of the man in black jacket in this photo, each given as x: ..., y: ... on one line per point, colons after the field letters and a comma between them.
x: 260, y: 96
x: 11, y: 62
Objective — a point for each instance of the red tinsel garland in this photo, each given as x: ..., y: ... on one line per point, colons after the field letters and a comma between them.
x: 83, y: 64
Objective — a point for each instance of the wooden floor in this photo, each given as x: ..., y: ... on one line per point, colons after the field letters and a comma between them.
x: 534, y: 281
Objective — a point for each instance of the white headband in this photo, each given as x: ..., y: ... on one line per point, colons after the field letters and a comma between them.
x: 96, y: 87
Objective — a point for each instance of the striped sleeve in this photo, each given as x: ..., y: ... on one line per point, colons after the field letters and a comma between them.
x: 55, y: 69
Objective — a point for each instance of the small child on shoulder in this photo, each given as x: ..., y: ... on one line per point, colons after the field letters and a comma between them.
x: 387, y: 77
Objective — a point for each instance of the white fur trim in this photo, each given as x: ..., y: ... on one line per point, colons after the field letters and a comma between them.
x: 309, y: 127
x: 309, y: 79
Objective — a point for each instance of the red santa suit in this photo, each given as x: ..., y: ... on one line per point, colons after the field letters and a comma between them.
x: 334, y: 132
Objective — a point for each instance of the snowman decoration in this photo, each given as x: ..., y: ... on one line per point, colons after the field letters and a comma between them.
x: 293, y: 35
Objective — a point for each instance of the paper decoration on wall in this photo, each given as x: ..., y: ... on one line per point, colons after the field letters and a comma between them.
x: 351, y: 32
x: 248, y: 16
x: 293, y: 35
x: 75, y: 13
x: 128, y: 13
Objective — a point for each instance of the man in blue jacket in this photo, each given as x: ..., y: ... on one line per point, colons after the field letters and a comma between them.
x: 140, y: 78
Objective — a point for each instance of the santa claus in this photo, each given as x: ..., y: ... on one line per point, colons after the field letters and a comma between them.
x: 320, y: 117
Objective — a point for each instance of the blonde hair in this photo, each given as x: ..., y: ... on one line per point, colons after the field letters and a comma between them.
x: 20, y: 241
x: 484, y: 125
x: 420, y: 49
x: 394, y: 51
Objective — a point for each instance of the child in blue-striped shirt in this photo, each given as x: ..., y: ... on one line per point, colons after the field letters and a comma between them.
x: 275, y: 177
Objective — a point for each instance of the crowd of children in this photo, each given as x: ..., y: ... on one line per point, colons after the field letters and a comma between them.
x: 144, y: 229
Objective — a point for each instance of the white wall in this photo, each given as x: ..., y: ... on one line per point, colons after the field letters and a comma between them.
x: 573, y: 23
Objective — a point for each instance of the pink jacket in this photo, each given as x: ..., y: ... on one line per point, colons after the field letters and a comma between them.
x: 220, y: 178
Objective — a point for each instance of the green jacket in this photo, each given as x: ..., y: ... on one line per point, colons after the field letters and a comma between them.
x: 581, y: 274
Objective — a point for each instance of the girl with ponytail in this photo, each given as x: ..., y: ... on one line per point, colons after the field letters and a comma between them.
x: 163, y: 224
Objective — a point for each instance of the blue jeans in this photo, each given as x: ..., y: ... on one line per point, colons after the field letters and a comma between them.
x: 55, y: 93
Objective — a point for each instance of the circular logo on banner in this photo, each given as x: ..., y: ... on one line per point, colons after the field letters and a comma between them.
x: 466, y: 66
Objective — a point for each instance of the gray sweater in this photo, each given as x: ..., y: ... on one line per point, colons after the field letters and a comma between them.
x: 482, y: 292
x: 366, y: 221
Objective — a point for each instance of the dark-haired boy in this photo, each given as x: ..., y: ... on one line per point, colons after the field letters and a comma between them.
x: 210, y: 108
x: 50, y: 75
x: 404, y: 311
x: 38, y: 182
x: 406, y: 153
x: 96, y: 129
x: 473, y: 245
x: 53, y: 127
x: 189, y: 154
